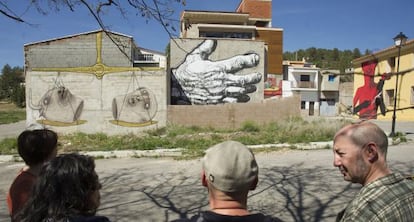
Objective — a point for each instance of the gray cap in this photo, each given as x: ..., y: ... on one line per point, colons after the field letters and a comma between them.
x: 230, y: 166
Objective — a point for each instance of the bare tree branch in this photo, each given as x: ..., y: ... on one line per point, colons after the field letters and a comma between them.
x: 11, y: 16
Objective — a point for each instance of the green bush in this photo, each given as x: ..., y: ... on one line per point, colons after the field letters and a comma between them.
x: 250, y: 126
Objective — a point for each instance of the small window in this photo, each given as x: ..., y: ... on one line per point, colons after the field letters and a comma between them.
x: 305, y: 78
x: 389, y: 100
x: 302, y: 104
x: 331, y: 78
x: 412, y: 95
x: 391, y: 62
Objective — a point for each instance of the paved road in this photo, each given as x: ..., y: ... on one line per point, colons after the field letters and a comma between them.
x: 12, y: 129
x: 294, y: 185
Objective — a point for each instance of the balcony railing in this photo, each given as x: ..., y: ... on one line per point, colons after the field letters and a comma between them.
x: 145, y: 58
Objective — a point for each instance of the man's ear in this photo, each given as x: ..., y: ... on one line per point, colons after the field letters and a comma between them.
x: 372, y: 152
x: 203, y: 178
x: 254, y: 184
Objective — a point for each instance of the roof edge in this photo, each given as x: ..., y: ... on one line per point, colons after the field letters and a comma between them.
x: 72, y: 35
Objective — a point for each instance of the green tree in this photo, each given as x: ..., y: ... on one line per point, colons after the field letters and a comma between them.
x: 327, y: 58
x: 356, y: 53
x: 12, y: 85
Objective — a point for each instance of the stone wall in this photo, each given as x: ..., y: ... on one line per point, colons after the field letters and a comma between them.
x: 79, y: 51
x: 235, y: 114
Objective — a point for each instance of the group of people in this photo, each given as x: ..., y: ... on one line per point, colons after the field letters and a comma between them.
x: 65, y: 188
x: 51, y: 188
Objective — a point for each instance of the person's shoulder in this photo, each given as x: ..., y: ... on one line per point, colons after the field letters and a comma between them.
x: 212, y: 217
x: 268, y: 218
x: 89, y: 219
x: 195, y: 218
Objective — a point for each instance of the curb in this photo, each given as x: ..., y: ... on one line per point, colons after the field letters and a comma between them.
x: 177, y: 152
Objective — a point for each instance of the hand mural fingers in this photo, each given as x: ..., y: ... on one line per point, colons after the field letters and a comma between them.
x: 201, y: 52
x: 204, y: 81
x: 230, y: 94
x: 238, y: 94
x: 237, y: 63
x: 242, y: 80
x: 239, y: 99
x: 204, y: 98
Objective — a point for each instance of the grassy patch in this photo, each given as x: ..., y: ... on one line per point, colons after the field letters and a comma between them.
x: 194, y: 140
x: 7, y: 117
x: 9, y: 113
x: 8, y: 146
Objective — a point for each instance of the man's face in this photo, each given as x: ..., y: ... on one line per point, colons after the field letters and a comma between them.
x: 349, y: 158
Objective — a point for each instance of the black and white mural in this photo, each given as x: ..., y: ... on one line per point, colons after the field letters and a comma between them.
x: 230, y: 77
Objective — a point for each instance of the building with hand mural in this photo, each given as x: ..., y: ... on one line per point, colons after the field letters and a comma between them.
x: 94, y: 82
x: 243, y: 40
x: 375, y: 84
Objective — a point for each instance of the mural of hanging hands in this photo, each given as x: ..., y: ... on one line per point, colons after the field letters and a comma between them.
x: 198, y: 80
x: 59, y: 107
x: 135, y: 109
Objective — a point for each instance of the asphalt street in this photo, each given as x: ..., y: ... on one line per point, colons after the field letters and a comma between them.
x: 295, y: 185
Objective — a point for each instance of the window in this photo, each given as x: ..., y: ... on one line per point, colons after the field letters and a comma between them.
x: 302, y: 104
x: 412, y: 95
x: 305, y: 78
x: 234, y: 35
x: 391, y: 62
x: 331, y: 78
x: 389, y: 99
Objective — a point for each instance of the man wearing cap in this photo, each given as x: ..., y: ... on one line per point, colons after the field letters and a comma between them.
x: 229, y: 172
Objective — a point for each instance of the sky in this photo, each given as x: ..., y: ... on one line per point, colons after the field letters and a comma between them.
x: 328, y: 24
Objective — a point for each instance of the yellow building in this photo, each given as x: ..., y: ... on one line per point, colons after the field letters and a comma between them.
x: 375, y: 84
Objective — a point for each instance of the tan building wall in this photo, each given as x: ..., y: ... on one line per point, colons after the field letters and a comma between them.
x: 387, y: 61
x: 235, y: 114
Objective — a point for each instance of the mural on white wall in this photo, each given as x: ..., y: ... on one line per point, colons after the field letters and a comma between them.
x: 59, y: 107
x: 199, y: 80
x: 137, y: 108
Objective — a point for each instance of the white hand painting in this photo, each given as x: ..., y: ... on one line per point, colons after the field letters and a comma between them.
x: 210, y: 82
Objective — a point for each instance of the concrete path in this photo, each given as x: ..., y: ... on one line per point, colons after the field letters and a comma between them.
x: 12, y: 130
x: 294, y: 185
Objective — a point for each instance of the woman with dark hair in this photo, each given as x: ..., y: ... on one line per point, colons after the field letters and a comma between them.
x: 67, y: 190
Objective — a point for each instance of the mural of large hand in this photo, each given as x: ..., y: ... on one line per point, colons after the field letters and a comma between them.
x: 210, y: 82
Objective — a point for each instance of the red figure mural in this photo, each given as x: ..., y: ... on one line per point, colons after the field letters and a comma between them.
x: 369, y: 96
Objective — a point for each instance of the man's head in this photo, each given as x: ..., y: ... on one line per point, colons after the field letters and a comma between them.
x: 230, y: 167
x: 360, y: 149
x: 37, y: 146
